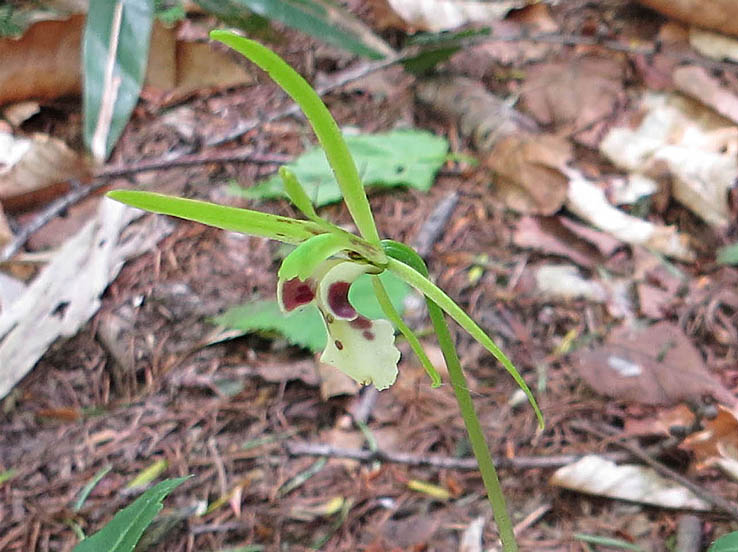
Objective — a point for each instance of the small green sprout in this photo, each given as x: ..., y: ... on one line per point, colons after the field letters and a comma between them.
x: 328, y: 259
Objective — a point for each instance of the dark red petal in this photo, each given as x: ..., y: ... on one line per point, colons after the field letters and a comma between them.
x: 296, y: 293
x: 338, y: 300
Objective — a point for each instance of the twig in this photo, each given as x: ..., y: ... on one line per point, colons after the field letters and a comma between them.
x: 443, y: 462
x: 77, y: 193
x: 203, y: 158
x: 716, y: 500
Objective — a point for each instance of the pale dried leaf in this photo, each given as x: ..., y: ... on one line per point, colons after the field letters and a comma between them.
x: 10, y: 290
x: 471, y: 538
x: 655, y: 365
x: 5, y: 233
x: 598, y: 476
x: 713, y: 45
x: 443, y: 15
x: 67, y: 291
x: 696, y: 82
x: 588, y: 201
x: 563, y: 282
x: 697, y: 147
x: 32, y: 164
x: 719, y: 15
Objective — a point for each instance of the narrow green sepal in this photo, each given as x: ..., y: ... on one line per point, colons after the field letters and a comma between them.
x: 305, y: 259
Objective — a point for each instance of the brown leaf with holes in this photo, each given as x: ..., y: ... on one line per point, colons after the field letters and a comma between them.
x: 657, y: 365
x: 717, y: 443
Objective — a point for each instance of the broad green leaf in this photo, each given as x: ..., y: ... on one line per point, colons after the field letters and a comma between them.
x: 726, y: 543
x: 321, y: 19
x: 256, y: 223
x: 123, y: 532
x: 728, y: 254
x: 115, y: 51
x: 304, y: 328
x: 397, y: 158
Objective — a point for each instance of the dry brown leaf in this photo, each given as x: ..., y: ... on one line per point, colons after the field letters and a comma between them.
x: 443, y: 15
x: 601, y: 477
x: 549, y: 235
x: 719, y: 15
x: 718, y: 439
x: 44, y: 63
x: 576, y: 97
x: 653, y: 300
x: 657, y: 365
x: 714, y: 45
x: 5, y: 233
x: 29, y: 165
x: 696, y: 82
x: 530, y: 167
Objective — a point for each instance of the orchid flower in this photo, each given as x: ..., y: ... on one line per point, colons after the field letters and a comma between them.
x: 328, y: 259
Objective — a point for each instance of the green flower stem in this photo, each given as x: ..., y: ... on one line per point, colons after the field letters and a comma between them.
x: 394, y: 317
x: 323, y: 124
x: 435, y: 294
x: 466, y: 406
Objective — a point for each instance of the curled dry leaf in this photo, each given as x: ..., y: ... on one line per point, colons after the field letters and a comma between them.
x: 657, y: 365
x: 530, y: 165
x: 31, y: 165
x: 443, y: 15
x: 717, y: 443
x: 713, y: 45
x: 588, y: 201
x: 696, y: 146
x: 719, y: 15
x: 598, y: 476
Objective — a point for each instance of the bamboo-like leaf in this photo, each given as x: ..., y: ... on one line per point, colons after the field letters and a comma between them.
x: 438, y: 296
x: 114, y: 55
x: 256, y: 223
x: 324, y: 20
x: 123, y: 532
x: 323, y: 124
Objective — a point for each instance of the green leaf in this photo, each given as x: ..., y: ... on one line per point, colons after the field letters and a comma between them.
x: 398, y: 158
x: 726, y: 543
x: 304, y: 328
x: 255, y: 223
x: 323, y: 20
x: 115, y: 50
x: 608, y: 541
x: 728, y: 254
x: 123, y: 532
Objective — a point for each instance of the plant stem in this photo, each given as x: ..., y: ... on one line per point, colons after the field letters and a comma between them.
x: 473, y: 429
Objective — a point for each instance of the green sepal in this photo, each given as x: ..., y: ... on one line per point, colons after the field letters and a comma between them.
x: 255, y: 223
x: 310, y: 254
x: 297, y: 195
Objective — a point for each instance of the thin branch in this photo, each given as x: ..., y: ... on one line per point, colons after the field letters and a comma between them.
x: 441, y: 462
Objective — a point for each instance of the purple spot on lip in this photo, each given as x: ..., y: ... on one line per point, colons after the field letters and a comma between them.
x: 361, y: 323
x: 338, y: 300
x: 296, y: 293
x: 338, y: 345
x: 369, y: 336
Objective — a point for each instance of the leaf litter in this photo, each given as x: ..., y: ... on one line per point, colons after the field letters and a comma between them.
x: 222, y: 411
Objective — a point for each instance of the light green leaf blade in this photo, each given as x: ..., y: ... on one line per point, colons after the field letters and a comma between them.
x: 323, y: 20
x: 115, y: 51
x: 304, y: 328
x: 726, y: 543
x: 123, y: 532
x: 728, y: 254
x: 255, y: 223
x: 397, y: 158
x: 438, y: 296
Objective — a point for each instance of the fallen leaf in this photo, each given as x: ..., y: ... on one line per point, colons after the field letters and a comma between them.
x: 549, y: 235
x: 67, y: 291
x: 588, y: 201
x: 564, y: 282
x: 5, y: 233
x: 696, y: 82
x: 606, y: 244
x: 577, y: 97
x: 294, y: 369
x: 471, y: 538
x: 530, y: 167
x: 32, y: 165
x: 653, y: 300
x: 10, y: 290
x: 657, y: 365
x: 713, y: 45
x: 697, y: 147
x: 44, y: 63
x: 598, y: 476
x: 443, y: 15
x: 718, y: 439
x: 334, y: 382
x: 719, y: 15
